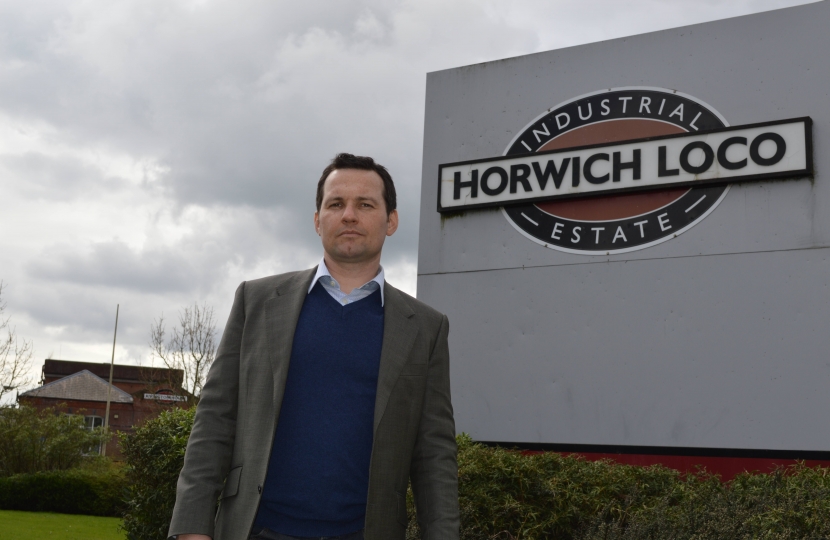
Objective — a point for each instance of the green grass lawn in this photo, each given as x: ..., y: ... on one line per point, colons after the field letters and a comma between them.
x: 35, y: 525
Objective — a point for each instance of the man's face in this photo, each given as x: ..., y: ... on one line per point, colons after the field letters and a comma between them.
x: 352, y: 220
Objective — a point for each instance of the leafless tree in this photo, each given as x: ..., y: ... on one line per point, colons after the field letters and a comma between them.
x: 191, y: 346
x: 15, y: 355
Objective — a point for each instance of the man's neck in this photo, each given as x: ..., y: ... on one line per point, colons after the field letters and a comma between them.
x: 352, y: 275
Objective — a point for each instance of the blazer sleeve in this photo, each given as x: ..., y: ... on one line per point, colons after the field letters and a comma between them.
x: 434, y: 469
x: 208, y: 455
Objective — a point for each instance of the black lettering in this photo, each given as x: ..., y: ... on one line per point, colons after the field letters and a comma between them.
x: 519, y: 174
x: 586, y: 169
x: 619, y: 165
x: 575, y: 172
x: 661, y: 163
x: 457, y: 184
x: 724, y: 146
x: 780, y: 149
x: 502, y: 181
x: 551, y: 172
x: 708, y: 157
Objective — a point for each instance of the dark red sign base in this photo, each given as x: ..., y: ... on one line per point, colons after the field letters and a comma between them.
x: 726, y: 467
x: 725, y: 462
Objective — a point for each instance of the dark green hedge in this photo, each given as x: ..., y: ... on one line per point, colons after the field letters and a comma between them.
x: 75, y: 491
x: 791, y: 503
x: 544, y: 495
x: 506, y: 495
x: 155, y: 455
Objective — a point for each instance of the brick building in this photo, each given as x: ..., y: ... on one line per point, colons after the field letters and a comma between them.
x: 137, y: 393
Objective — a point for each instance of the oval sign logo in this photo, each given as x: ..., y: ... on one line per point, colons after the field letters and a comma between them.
x: 605, y: 225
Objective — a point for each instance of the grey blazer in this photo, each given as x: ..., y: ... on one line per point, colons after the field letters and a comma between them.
x: 414, y: 432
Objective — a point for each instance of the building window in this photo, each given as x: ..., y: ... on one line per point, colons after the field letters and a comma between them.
x: 92, y: 422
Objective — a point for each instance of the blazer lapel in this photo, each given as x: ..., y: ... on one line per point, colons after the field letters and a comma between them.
x: 282, y: 312
x: 399, y: 331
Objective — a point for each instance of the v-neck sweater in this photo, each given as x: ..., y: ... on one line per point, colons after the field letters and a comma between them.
x: 318, y: 473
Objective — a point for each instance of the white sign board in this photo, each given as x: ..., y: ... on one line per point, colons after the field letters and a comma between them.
x: 737, y: 154
x: 165, y: 397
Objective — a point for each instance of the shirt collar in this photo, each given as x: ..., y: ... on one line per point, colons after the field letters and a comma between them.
x: 323, y: 270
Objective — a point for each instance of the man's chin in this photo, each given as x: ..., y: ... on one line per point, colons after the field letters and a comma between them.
x: 351, y: 256
x: 346, y: 252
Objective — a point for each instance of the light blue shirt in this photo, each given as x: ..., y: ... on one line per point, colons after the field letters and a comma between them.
x: 333, y: 288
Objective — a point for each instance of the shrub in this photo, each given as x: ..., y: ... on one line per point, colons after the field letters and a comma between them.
x: 507, y: 495
x: 34, y: 440
x: 154, y: 454
x: 790, y: 503
x: 77, y: 491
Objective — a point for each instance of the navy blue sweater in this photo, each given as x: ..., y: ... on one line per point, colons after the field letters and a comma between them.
x: 318, y: 473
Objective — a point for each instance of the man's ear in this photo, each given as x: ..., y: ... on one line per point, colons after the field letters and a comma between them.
x: 392, y: 223
x: 317, y: 222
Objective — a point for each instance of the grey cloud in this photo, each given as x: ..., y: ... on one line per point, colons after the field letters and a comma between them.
x: 113, y: 264
x: 80, y: 315
x: 235, y: 101
x: 217, y: 240
x: 50, y: 177
x: 72, y: 290
x: 245, y: 103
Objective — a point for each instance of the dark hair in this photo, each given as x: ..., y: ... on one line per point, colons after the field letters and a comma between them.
x: 363, y: 163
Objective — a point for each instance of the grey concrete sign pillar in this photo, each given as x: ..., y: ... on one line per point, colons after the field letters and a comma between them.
x: 713, y: 334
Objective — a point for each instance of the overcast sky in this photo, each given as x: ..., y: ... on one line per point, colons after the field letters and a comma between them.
x: 154, y: 153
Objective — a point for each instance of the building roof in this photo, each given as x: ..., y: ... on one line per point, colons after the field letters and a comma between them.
x: 120, y: 373
x: 82, y: 386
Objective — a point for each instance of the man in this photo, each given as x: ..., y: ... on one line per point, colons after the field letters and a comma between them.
x: 329, y: 393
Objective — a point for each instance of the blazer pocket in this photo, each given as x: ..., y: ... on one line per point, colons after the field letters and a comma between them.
x: 231, y: 483
x: 402, y: 517
x: 414, y: 370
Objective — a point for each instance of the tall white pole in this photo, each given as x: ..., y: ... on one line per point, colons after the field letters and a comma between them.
x: 109, y: 388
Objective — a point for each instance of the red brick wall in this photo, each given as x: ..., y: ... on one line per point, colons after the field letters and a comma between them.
x: 134, y: 380
x: 124, y: 417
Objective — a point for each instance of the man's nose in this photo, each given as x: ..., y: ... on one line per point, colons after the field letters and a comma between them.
x: 350, y: 213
